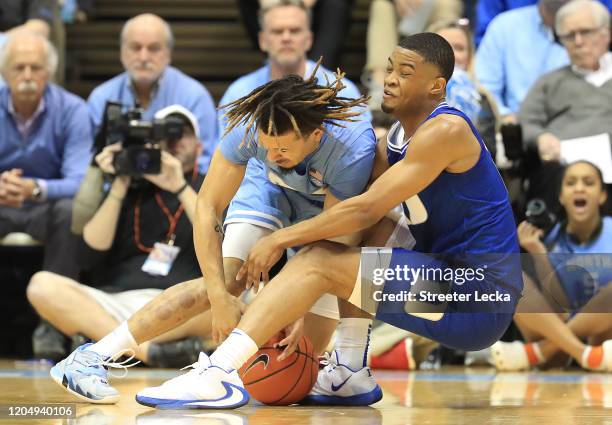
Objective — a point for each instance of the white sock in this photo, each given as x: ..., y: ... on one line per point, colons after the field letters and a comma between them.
x: 116, y: 341
x: 352, y: 340
x: 234, y: 351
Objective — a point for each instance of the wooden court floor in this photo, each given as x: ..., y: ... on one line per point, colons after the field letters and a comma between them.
x: 454, y: 395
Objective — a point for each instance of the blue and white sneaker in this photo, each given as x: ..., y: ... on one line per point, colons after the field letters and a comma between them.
x: 84, y: 374
x: 204, y: 387
x: 338, y: 385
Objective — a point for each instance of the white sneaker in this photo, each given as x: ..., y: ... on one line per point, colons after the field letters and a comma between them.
x: 338, y: 385
x: 510, y: 356
x: 204, y: 387
x: 84, y: 374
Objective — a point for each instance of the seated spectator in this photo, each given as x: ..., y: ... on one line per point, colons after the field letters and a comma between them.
x: 44, y: 149
x: 462, y: 90
x: 573, y: 101
x: 150, y: 81
x: 139, y: 220
x: 330, y: 23
x: 283, y: 23
x: 509, y: 61
x: 540, y: 316
x: 486, y: 10
x: 390, y: 19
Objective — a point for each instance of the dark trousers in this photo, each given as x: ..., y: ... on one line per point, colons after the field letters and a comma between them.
x: 49, y: 223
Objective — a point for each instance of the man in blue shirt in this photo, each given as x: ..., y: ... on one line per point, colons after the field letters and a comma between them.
x: 516, y: 50
x: 286, y: 38
x: 150, y: 81
x: 486, y: 10
x: 44, y: 150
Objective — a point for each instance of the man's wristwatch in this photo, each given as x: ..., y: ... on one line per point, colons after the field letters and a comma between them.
x: 36, y: 191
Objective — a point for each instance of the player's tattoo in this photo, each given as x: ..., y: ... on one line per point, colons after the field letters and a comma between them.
x: 219, y: 229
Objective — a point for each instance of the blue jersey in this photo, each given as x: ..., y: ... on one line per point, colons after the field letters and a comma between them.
x: 583, y: 269
x: 465, y: 212
x: 342, y: 163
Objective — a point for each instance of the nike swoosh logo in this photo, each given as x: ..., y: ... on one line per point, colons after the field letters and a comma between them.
x: 262, y: 358
x: 234, y: 395
x: 336, y: 388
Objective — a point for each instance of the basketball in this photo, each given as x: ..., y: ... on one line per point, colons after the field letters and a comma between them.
x: 280, y: 383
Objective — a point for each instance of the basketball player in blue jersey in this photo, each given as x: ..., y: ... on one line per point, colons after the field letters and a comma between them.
x: 316, y: 152
x: 438, y: 168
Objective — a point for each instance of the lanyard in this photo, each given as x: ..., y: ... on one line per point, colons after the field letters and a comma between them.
x: 172, y: 221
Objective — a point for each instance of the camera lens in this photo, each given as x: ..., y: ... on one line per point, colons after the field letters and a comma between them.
x: 142, y: 161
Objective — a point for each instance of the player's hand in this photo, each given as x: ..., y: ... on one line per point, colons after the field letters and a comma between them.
x: 293, y: 334
x: 171, y: 176
x: 226, y: 313
x: 549, y: 147
x: 530, y: 238
x: 264, y: 254
x: 105, y: 158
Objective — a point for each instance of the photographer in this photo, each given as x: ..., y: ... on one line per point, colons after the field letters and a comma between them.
x: 579, y: 282
x: 142, y: 224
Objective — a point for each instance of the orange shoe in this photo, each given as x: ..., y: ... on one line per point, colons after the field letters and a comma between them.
x: 399, y: 357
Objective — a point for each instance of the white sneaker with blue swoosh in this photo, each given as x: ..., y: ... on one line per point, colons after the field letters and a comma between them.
x: 338, y: 385
x: 205, y: 386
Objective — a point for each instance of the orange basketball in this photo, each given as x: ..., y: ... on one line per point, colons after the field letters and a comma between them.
x: 280, y: 383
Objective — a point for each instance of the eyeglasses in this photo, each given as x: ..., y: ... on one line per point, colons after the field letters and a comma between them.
x: 570, y: 37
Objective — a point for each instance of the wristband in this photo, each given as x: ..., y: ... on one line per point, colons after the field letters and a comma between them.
x: 183, y: 187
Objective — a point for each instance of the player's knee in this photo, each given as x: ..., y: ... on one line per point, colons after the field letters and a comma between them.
x: 235, y: 287
x: 42, y: 287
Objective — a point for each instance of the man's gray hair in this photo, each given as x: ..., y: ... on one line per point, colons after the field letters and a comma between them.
x: 166, y: 25
x: 51, y: 58
x: 268, y: 5
x: 599, y: 11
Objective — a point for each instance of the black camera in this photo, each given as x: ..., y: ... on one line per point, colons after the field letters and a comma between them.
x: 140, y: 154
x: 538, y: 215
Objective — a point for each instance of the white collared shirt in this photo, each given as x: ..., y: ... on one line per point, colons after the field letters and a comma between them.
x: 599, y: 77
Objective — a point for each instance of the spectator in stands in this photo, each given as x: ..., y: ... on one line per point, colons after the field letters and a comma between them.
x: 149, y: 80
x: 44, y: 149
x: 486, y: 10
x: 575, y: 100
x: 556, y: 311
x: 462, y: 90
x: 516, y: 50
x: 330, y: 23
x: 286, y: 38
x: 390, y: 19
x: 134, y: 224
x: 32, y: 15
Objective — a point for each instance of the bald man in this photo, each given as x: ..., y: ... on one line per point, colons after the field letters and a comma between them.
x: 150, y: 81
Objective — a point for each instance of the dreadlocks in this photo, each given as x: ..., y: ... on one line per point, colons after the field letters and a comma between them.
x: 291, y: 103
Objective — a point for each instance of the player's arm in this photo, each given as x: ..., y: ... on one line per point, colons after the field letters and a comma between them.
x: 381, y: 163
x: 220, y: 185
x: 440, y: 144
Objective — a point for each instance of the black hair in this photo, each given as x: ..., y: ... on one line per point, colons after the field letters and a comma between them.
x: 291, y: 103
x: 434, y: 49
x: 583, y: 161
x: 561, y: 213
